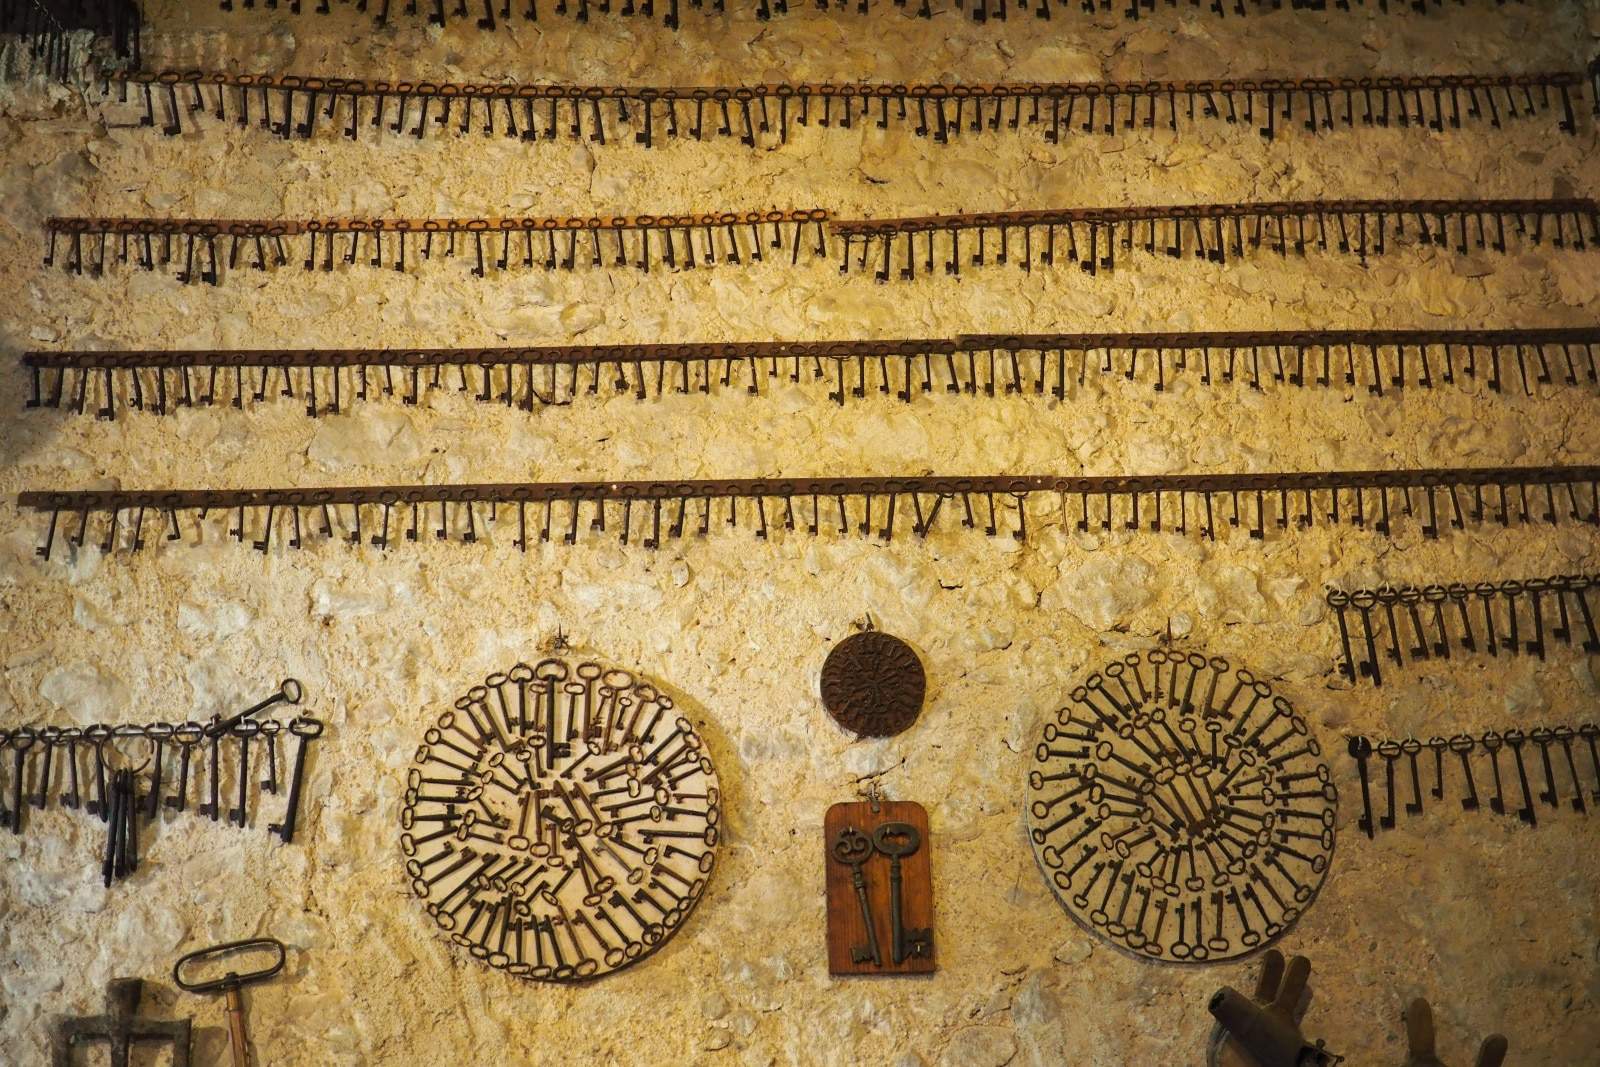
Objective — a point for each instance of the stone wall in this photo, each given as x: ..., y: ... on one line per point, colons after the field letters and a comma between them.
x: 1494, y: 923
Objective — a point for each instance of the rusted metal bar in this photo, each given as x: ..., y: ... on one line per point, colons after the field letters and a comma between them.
x: 1438, y: 498
x: 1092, y: 237
x: 191, y: 246
x: 1044, y: 365
x: 288, y: 105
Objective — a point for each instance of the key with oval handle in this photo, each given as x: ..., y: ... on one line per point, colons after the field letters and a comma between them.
x: 898, y: 840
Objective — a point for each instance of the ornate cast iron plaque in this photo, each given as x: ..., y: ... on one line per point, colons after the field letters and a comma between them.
x: 872, y: 684
x: 561, y: 820
x: 1179, y: 809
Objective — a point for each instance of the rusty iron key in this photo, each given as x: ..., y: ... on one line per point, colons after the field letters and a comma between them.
x: 852, y: 848
x: 897, y: 840
x: 305, y: 728
x: 231, y: 985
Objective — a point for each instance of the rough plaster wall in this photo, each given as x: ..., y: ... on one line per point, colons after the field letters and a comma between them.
x: 1495, y: 924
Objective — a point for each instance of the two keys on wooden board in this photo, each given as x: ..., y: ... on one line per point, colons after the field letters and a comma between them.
x: 880, y: 889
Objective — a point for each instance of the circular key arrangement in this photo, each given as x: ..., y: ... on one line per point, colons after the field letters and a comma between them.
x: 873, y: 684
x: 561, y: 820
x: 1179, y: 809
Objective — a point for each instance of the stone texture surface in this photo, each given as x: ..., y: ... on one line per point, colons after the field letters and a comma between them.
x: 1494, y: 924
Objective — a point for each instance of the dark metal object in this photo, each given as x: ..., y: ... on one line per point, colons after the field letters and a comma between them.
x: 1504, y: 610
x: 853, y: 848
x: 1091, y: 237
x: 1180, y: 809
x: 873, y: 684
x: 602, y: 114
x: 231, y: 985
x: 46, y: 28
x: 1492, y: 743
x: 333, y: 380
x: 289, y: 692
x: 121, y: 795
x: 1249, y: 501
x: 501, y: 243
x: 305, y: 729
x: 897, y: 840
x: 1265, y: 1031
x: 560, y: 820
x: 121, y: 1026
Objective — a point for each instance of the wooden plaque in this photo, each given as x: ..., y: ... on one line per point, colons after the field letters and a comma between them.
x: 847, y: 930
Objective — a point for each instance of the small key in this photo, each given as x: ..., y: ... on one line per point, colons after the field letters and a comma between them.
x: 1363, y: 601
x: 22, y: 739
x: 1516, y: 739
x: 212, y: 808
x: 1438, y: 745
x: 130, y: 814
x: 1512, y: 640
x: 1389, y: 751
x: 1544, y: 738
x: 1339, y: 601
x: 71, y: 799
x: 852, y: 848
x: 305, y: 728
x: 186, y: 736
x: 896, y: 840
x: 270, y: 729
x: 108, y: 866
x: 1461, y: 745
x: 1411, y: 598
x: 1412, y: 747
x: 159, y: 733
x: 98, y: 735
x: 1589, y: 732
x: 1361, y: 750
x: 1492, y: 743
x: 1563, y: 736
x: 246, y: 731
x: 49, y: 736
x: 1536, y: 588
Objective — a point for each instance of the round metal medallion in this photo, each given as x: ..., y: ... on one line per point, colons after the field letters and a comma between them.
x: 1179, y: 809
x: 561, y: 820
x: 872, y: 684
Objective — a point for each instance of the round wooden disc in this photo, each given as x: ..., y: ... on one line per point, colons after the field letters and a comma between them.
x: 872, y: 684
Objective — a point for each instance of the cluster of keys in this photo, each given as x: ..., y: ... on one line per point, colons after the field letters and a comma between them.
x: 854, y: 849
x: 1561, y: 740
x: 93, y: 772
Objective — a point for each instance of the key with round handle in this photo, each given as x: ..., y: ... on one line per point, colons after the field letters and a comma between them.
x: 897, y: 840
x: 853, y: 848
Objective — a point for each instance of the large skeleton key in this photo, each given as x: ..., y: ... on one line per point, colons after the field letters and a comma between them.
x: 898, y: 840
x: 305, y: 728
x: 852, y: 848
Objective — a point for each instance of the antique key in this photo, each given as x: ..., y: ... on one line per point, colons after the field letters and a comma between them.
x: 898, y: 840
x: 852, y: 848
x: 305, y: 728
x: 1361, y: 750
x: 230, y: 985
x: 246, y: 731
x: 212, y: 807
x: 186, y: 736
